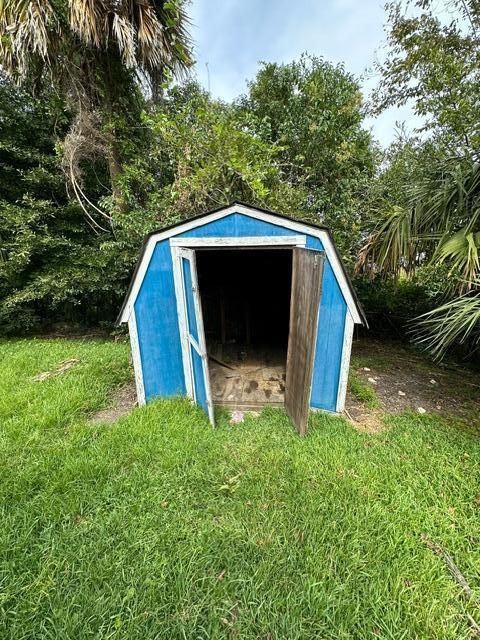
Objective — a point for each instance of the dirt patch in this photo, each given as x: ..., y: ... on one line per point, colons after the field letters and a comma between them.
x: 403, y: 380
x: 122, y: 402
x: 362, y: 418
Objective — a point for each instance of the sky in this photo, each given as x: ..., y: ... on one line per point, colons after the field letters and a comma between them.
x: 232, y: 36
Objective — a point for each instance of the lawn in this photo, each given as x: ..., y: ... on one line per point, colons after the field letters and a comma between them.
x: 158, y: 526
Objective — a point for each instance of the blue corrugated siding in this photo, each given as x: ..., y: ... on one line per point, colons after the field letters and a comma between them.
x: 331, y: 324
x: 157, y: 326
x: 159, y: 336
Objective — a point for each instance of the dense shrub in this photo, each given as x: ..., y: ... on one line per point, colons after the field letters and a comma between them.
x: 391, y: 304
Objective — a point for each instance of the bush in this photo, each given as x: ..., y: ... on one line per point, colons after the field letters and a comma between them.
x: 390, y: 305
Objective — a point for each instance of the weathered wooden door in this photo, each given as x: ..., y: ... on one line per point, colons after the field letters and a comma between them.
x: 307, y: 272
x: 194, y: 345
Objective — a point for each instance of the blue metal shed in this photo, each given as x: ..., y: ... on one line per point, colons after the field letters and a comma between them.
x: 219, y: 292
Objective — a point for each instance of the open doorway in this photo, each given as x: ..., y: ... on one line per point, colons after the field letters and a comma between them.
x: 245, y: 295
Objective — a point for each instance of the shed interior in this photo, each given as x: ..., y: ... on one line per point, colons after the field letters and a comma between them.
x: 245, y: 295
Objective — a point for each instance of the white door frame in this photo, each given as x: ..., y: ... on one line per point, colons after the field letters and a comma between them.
x: 183, y: 247
x: 187, y: 339
x: 345, y: 363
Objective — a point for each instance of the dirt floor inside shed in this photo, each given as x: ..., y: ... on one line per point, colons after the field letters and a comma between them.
x: 400, y: 378
x: 249, y: 379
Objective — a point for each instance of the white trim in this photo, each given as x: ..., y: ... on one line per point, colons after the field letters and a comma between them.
x: 201, y: 348
x: 186, y: 339
x: 137, y: 283
x: 326, y: 411
x: 346, y: 351
x: 192, y: 340
x: 244, y: 241
x: 182, y: 320
x: 136, y: 357
x: 299, y: 227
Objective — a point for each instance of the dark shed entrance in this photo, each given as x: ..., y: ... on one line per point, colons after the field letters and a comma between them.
x: 245, y: 295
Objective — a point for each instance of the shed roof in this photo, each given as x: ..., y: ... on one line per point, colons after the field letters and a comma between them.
x: 320, y: 231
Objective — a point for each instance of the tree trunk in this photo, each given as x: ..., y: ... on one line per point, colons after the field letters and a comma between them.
x: 114, y: 159
x: 115, y: 170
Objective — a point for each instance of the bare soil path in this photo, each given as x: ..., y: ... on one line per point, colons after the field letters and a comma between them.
x: 405, y: 380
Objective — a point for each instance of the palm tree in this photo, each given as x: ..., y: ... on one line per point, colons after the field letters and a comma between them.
x: 97, y: 54
x: 442, y: 226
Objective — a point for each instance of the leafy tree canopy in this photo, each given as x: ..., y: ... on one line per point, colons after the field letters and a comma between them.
x: 98, y: 55
x: 431, y: 190
x: 433, y: 64
x: 194, y: 153
x: 312, y: 112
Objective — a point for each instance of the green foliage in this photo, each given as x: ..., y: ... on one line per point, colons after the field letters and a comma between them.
x: 125, y: 530
x: 312, y: 111
x: 68, y: 253
x: 438, y: 228
x: 425, y: 210
x: 52, y: 265
x: 205, y: 157
x: 455, y: 322
x: 428, y: 195
x: 391, y: 303
x: 362, y: 390
x: 405, y: 163
x: 193, y: 154
x: 36, y: 218
x: 97, y: 56
x: 432, y: 63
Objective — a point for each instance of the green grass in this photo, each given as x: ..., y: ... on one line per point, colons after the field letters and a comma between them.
x: 159, y: 526
x: 362, y: 390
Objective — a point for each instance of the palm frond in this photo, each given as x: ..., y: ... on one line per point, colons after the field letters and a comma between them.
x: 393, y: 246
x: 149, y: 35
x: 449, y: 197
x: 124, y: 33
x: 87, y: 19
x: 461, y: 252
x: 455, y: 322
x: 442, y: 225
x: 27, y: 28
x: 162, y: 36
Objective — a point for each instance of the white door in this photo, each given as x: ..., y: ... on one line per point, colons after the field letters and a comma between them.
x: 193, y: 335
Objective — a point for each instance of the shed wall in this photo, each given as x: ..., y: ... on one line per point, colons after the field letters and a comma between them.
x: 236, y: 225
x: 331, y: 327
x: 157, y: 323
x: 157, y: 328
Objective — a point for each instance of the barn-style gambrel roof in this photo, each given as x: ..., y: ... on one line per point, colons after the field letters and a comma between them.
x: 307, y: 228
